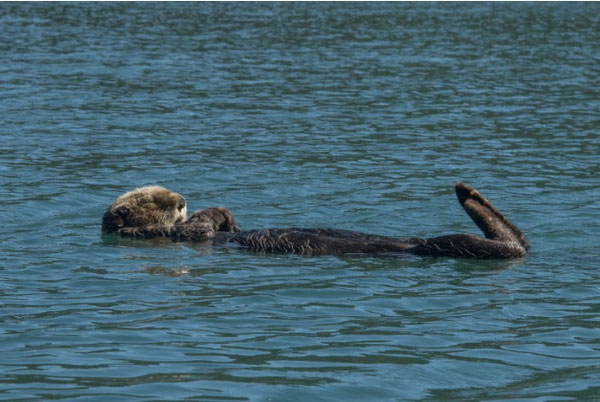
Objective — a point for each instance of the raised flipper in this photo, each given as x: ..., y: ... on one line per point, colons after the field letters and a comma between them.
x: 492, y: 223
x: 503, y: 239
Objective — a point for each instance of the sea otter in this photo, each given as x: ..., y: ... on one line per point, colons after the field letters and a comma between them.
x: 154, y: 211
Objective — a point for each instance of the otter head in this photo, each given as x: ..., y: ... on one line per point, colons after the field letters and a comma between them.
x: 151, y: 206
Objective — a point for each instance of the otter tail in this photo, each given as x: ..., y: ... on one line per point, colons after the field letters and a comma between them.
x: 492, y: 223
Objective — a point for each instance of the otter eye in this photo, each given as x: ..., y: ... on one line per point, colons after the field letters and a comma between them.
x: 181, y: 204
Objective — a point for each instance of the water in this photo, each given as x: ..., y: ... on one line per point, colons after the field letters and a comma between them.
x: 357, y: 116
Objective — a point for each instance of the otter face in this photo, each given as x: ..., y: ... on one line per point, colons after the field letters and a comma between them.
x: 145, y: 207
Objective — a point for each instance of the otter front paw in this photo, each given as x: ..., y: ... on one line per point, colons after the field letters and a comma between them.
x: 146, y: 232
x: 218, y: 219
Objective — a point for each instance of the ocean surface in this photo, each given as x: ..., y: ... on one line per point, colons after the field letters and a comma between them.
x: 349, y: 115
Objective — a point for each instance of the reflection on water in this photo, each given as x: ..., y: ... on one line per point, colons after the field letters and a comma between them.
x: 357, y: 116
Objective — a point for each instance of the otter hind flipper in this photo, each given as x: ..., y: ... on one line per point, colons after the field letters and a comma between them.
x: 492, y: 222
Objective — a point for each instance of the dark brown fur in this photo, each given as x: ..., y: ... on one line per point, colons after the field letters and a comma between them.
x: 502, y: 238
x: 204, y: 224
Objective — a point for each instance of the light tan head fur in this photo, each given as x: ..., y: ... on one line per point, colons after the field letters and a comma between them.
x: 151, y: 206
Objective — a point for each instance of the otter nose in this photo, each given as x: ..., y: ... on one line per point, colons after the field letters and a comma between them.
x: 180, y: 204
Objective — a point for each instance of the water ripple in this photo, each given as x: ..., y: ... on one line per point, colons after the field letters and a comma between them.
x: 358, y: 116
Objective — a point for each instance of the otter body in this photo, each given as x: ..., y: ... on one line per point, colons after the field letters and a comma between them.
x: 154, y: 211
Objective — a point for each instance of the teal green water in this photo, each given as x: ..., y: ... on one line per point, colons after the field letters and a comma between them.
x: 352, y: 115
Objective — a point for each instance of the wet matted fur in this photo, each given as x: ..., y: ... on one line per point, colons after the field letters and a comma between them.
x: 156, y: 212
